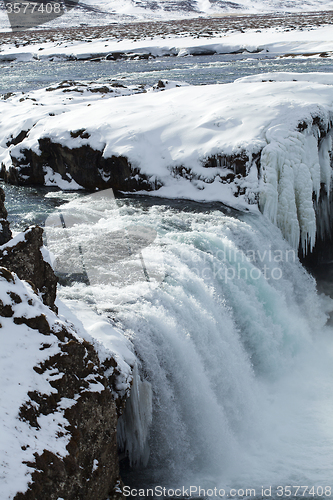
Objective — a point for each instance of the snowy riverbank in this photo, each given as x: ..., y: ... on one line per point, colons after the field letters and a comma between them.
x: 276, y: 41
x: 261, y: 140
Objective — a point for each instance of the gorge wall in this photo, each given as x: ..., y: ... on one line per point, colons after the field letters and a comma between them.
x: 60, y: 413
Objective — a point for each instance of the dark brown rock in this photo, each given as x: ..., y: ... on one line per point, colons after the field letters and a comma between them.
x: 37, y: 323
x: 6, y: 310
x: 26, y: 260
x: 85, y: 165
x: 5, y: 232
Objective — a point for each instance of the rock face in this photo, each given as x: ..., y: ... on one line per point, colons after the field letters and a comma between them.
x: 90, y: 170
x: 26, y: 260
x: 85, y: 165
x: 5, y: 232
x: 70, y: 387
x: 90, y: 470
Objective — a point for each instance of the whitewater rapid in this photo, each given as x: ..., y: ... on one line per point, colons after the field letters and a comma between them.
x: 230, y: 338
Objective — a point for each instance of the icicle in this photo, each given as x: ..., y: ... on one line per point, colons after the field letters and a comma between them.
x: 292, y: 170
x: 325, y: 162
x: 133, y: 425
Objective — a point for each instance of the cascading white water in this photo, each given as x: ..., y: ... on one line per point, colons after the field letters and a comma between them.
x: 234, y: 343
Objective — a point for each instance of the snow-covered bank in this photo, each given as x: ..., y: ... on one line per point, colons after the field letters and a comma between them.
x: 255, y: 140
x: 58, y: 415
x: 167, y: 8
x: 271, y: 42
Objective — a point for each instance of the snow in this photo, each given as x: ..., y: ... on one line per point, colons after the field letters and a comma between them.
x: 21, y: 350
x: 54, y: 179
x: 47, y: 255
x: 107, y: 340
x: 199, y: 7
x: 269, y: 42
x: 103, y: 12
x: 13, y: 242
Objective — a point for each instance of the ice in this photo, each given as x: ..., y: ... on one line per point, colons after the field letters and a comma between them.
x: 293, y: 166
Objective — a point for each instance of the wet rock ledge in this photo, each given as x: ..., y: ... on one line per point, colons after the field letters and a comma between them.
x: 62, y: 430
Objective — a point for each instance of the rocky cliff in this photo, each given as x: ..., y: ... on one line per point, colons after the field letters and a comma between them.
x: 58, y: 415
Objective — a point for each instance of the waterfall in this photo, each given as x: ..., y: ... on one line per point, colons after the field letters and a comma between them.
x: 234, y: 358
x: 232, y: 384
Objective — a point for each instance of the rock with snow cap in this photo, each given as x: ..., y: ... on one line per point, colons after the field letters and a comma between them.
x: 60, y: 420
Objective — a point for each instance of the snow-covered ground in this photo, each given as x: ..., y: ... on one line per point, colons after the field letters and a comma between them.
x: 272, y: 42
x: 103, y: 12
x: 168, y: 9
